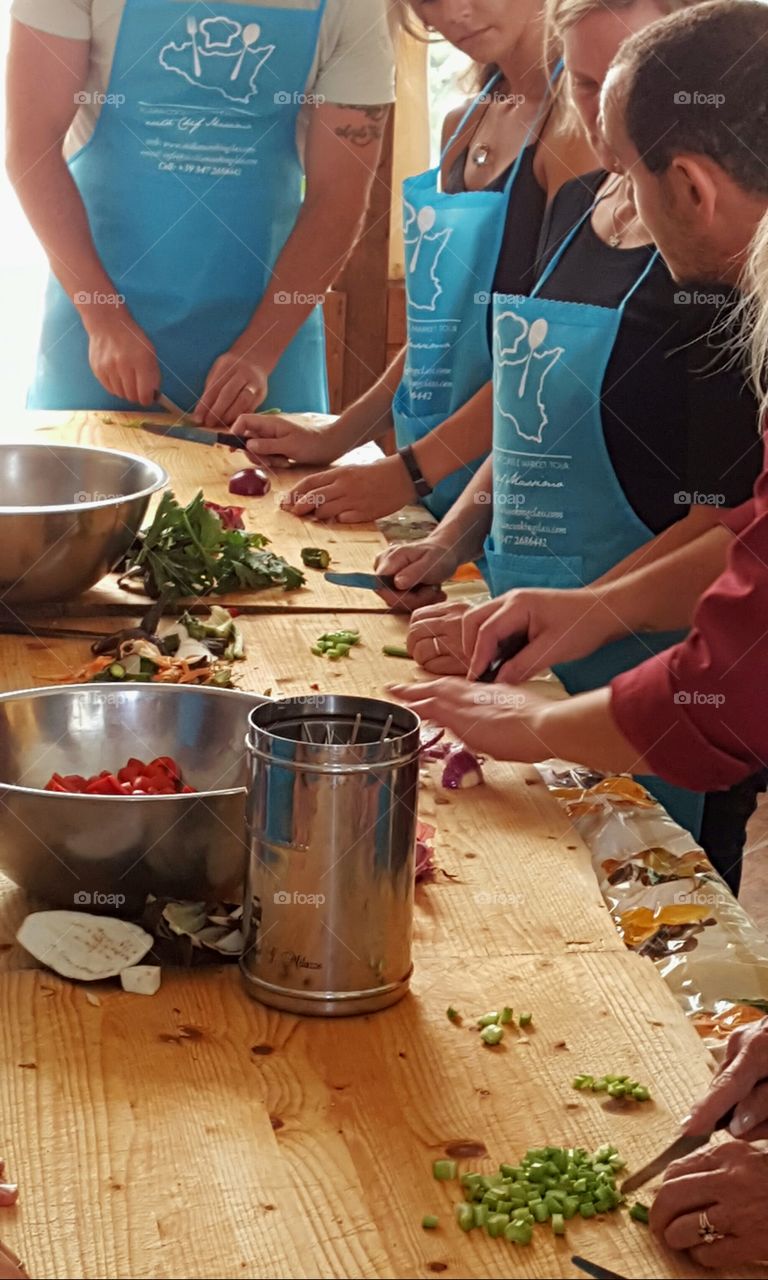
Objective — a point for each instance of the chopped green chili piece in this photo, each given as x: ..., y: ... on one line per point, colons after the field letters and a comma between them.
x: 526, y: 1019
x: 465, y: 1216
x: 444, y: 1170
x: 429, y: 1221
x: 506, y: 1015
x: 558, y: 1224
x: 488, y: 1019
x: 395, y: 651
x: 315, y: 557
x: 639, y: 1212
x: 492, y: 1034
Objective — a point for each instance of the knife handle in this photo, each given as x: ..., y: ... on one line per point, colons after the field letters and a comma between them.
x: 725, y: 1121
x: 231, y: 440
x: 507, y: 650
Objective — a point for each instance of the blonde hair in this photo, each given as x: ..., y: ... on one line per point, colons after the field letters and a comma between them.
x: 753, y: 313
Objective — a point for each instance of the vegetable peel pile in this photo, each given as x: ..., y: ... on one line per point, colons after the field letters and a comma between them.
x: 190, y: 551
x: 551, y: 1184
x: 189, y: 651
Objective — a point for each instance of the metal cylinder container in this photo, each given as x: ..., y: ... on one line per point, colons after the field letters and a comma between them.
x: 332, y: 830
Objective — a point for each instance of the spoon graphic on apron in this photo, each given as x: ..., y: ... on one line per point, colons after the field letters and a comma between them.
x: 192, y: 33
x: 251, y: 35
x: 425, y: 222
x: 536, y: 335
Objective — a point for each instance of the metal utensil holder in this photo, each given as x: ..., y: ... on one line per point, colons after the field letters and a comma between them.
x: 331, y: 819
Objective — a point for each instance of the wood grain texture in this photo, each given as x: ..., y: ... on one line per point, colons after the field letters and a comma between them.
x: 500, y: 848
x: 194, y: 467
x: 199, y: 1134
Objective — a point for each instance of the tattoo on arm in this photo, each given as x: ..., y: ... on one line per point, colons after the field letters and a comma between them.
x: 361, y: 135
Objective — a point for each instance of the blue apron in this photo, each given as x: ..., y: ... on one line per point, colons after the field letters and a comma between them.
x: 192, y: 183
x: 560, y: 516
x: 452, y: 247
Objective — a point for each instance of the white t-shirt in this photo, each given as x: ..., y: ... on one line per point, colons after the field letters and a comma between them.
x: 354, y: 63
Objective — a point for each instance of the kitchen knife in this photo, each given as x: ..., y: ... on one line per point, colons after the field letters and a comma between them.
x: 365, y: 581
x: 681, y: 1147
x: 506, y: 652
x: 171, y: 407
x: 592, y: 1269
x: 194, y: 435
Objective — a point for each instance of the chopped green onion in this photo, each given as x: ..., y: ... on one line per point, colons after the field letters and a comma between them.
x: 452, y: 1014
x: 526, y: 1019
x: 492, y: 1034
x: 395, y: 651
x: 429, y: 1221
x: 558, y: 1224
x: 465, y: 1216
x: 506, y: 1015
x: 444, y: 1170
x: 639, y: 1212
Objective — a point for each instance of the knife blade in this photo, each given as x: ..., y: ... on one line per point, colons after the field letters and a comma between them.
x: 365, y: 581
x: 593, y: 1269
x: 194, y: 435
x: 171, y: 407
x: 682, y: 1146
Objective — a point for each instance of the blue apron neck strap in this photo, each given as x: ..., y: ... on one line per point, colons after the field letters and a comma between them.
x: 470, y: 111
x: 643, y: 276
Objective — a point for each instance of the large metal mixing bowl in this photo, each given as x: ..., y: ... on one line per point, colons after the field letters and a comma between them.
x: 67, y: 515
x: 108, y: 853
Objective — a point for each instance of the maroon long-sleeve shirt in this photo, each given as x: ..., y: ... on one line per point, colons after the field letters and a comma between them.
x: 698, y: 713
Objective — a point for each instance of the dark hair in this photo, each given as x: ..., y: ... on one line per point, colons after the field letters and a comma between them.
x: 698, y: 83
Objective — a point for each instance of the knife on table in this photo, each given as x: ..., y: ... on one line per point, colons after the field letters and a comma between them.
x: 592, y: 1269
x: 365, y: 581
x: 682, y: 1146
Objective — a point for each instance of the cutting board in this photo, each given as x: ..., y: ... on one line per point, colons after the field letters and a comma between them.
x: 197, y: 1134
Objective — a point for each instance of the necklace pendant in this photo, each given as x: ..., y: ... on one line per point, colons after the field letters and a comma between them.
x: 614, y: 240
x: 480, y: 156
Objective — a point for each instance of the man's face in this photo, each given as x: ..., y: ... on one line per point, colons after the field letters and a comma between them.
x: 664, y: 202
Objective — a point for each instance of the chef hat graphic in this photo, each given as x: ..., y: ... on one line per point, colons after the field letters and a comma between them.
x: 219, y: 33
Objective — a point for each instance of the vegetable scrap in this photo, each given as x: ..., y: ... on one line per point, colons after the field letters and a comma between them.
x: 335, y: 644
x: 188, y: 551
x: 191, y: 650
x: 551, y: 1184
x: 230, y: 517
x: 425, y: 853
x: 250, y: 483
x: 461, y: 767
x: 639, y: 1212
x: 213, y: 927
x: 161, y: 777
x: 430, y: 1221
x: 615, y: 1086
x: 142, y: 979
x: 395, y: 651
x: 315, y: 558
x: 82, y: 946
x: 452, y: 1014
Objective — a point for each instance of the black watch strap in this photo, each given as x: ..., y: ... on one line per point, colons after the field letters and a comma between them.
x: 423, y: 487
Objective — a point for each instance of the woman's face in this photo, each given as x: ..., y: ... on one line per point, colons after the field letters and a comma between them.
x: 486, y: 30
x: 589, y: 48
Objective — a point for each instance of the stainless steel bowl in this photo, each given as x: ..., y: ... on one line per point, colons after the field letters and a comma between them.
x: 67, y: 515
x: 108, y: 853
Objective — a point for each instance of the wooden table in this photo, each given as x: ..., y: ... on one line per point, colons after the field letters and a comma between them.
x: 199, y: 1134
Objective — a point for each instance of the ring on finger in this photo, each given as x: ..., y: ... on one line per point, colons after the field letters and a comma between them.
x: 708, y: 1233
x: 436, y: 646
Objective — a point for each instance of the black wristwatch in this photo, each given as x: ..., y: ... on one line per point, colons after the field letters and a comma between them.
x: 423, y: 487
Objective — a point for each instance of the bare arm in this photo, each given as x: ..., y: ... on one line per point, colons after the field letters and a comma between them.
x: 120, y: 353
x: 343, y: 150
x: 699, y: 521
x: 461, y: 439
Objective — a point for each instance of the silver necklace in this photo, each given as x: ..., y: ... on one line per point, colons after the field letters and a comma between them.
x: 617, y: 235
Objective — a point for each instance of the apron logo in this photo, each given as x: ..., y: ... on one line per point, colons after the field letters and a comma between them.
x: 219, y: 56
x: 521, y: 370
x: 424, y: 251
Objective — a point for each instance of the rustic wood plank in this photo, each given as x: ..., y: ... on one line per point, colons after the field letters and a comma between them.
x: 150, y: 1140
x: 335, y: 315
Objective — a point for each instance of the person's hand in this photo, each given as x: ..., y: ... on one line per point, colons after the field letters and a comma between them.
x: 742, y: 1081
x: 492, y: 720
x: 236, y: 384
x: 282, y: 442
x: 728, y: 1183
x: 11, y: 1267
x: 418, y: 568
x: 121, y: 355
x: 560, y: 625
x: 434, y: 639
x: 353, y: 494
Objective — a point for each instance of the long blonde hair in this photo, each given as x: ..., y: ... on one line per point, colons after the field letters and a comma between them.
x: 753, y: 313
